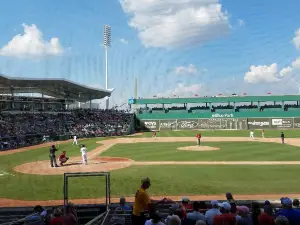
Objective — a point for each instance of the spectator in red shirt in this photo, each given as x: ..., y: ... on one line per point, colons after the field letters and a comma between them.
x: 226, y: 217
x: 186, y: 203
x: 70, y: 217
x: 57, y: 219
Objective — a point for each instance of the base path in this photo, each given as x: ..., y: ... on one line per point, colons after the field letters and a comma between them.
x: 97, y: 163
x: 23, y: 203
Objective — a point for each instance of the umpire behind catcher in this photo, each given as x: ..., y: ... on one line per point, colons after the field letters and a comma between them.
x: 52, y: 157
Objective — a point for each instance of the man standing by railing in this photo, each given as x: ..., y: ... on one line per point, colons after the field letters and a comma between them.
x: 141, y: 203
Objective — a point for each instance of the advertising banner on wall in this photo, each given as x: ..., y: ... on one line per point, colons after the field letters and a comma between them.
x: 242, y: 124
x: 277, y: 123
x: 187, y: 124
x: 150, y: 124
x: 297, y: 122
x: 258, y: 123
x: 167, y: 125
x: 210, y: 124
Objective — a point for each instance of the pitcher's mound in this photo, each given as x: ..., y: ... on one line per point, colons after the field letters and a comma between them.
x: 198, y: 148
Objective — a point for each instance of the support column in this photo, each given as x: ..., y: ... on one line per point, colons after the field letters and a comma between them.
x: 12, y: 99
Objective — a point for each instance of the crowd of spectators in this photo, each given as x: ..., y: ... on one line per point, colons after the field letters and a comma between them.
x: 145, y: 211
x: 27, y: 128
x: 228, y: 212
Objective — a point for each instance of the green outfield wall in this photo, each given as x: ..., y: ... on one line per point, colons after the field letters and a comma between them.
x: 220, y: 123
x: 180, y: 115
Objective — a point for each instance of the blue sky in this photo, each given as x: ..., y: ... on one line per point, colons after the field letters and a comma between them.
x: 181, y: 47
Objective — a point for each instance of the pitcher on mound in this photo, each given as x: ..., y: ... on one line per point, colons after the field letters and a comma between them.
x: 198, y: 138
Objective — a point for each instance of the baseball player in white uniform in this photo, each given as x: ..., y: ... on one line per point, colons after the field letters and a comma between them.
x: 252, y: 134
x: 75, y: 140
x: 83, y: 151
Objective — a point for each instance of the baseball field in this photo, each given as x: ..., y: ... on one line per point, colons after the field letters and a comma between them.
x: 226, y: 161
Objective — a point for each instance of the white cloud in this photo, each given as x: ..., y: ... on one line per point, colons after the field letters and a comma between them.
x: 285, y: 71
x: 271, y: 74
x: 241, y: 22
x: 264, y: 73
x: 122, y: 40
x: 296, y: 63
x: 190, y: 69
x: 181, y: 23
x: 31, y: 44
x: 296, y: 39
x: 184, y: 90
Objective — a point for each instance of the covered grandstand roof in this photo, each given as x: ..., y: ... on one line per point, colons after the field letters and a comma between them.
x: 266, y: 98
x: 54, y: 87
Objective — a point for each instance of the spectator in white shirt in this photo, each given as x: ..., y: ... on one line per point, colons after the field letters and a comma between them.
x: 196, y: 215
x: 210, y: 214
x: 174, y: 220
x: 155, y: 220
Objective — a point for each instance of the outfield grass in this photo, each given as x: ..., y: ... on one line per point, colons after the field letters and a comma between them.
x: 167, y: 179
x: 229, y: 151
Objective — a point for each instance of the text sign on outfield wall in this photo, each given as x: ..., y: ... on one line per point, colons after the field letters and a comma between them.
x: 282, y: 123
x: 296, y: 122
x: 187, y: 124
x: 150, y: 124
x: 258, y: 123
x: 167, y: 124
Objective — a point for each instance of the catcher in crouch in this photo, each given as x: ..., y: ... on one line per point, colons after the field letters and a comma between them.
x: 63, y: 158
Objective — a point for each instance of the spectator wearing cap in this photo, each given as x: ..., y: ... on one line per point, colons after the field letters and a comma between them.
x: 196, y: 215
x: 243, y: 217
x: 155, y: 220
x: 186, y: 203
x: 296, y: 203
x: 40, y: 216
x: 123, y: 205
x: 293, y: 215
x: 226, y: 217
x: 141, y: 203
x: 281, y: 220
x: 266, y: 217
x: 214, y: 211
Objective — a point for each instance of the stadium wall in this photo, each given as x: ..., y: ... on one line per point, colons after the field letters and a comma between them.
x: 202, y: 115
x: 220, y: 123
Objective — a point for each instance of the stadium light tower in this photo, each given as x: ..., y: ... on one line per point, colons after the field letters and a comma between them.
x: 107, y: 44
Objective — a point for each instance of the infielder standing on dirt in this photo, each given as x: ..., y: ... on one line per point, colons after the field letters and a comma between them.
x: 251, y: 134
x: 83, y: 151
x: 282, y: 137
x: 52, y: 157
x: 75, y: 140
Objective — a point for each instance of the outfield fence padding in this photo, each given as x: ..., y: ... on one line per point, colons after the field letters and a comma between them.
x: 221, y: 124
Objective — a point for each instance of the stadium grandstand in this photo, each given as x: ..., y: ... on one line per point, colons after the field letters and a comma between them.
x: 38, y: 110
